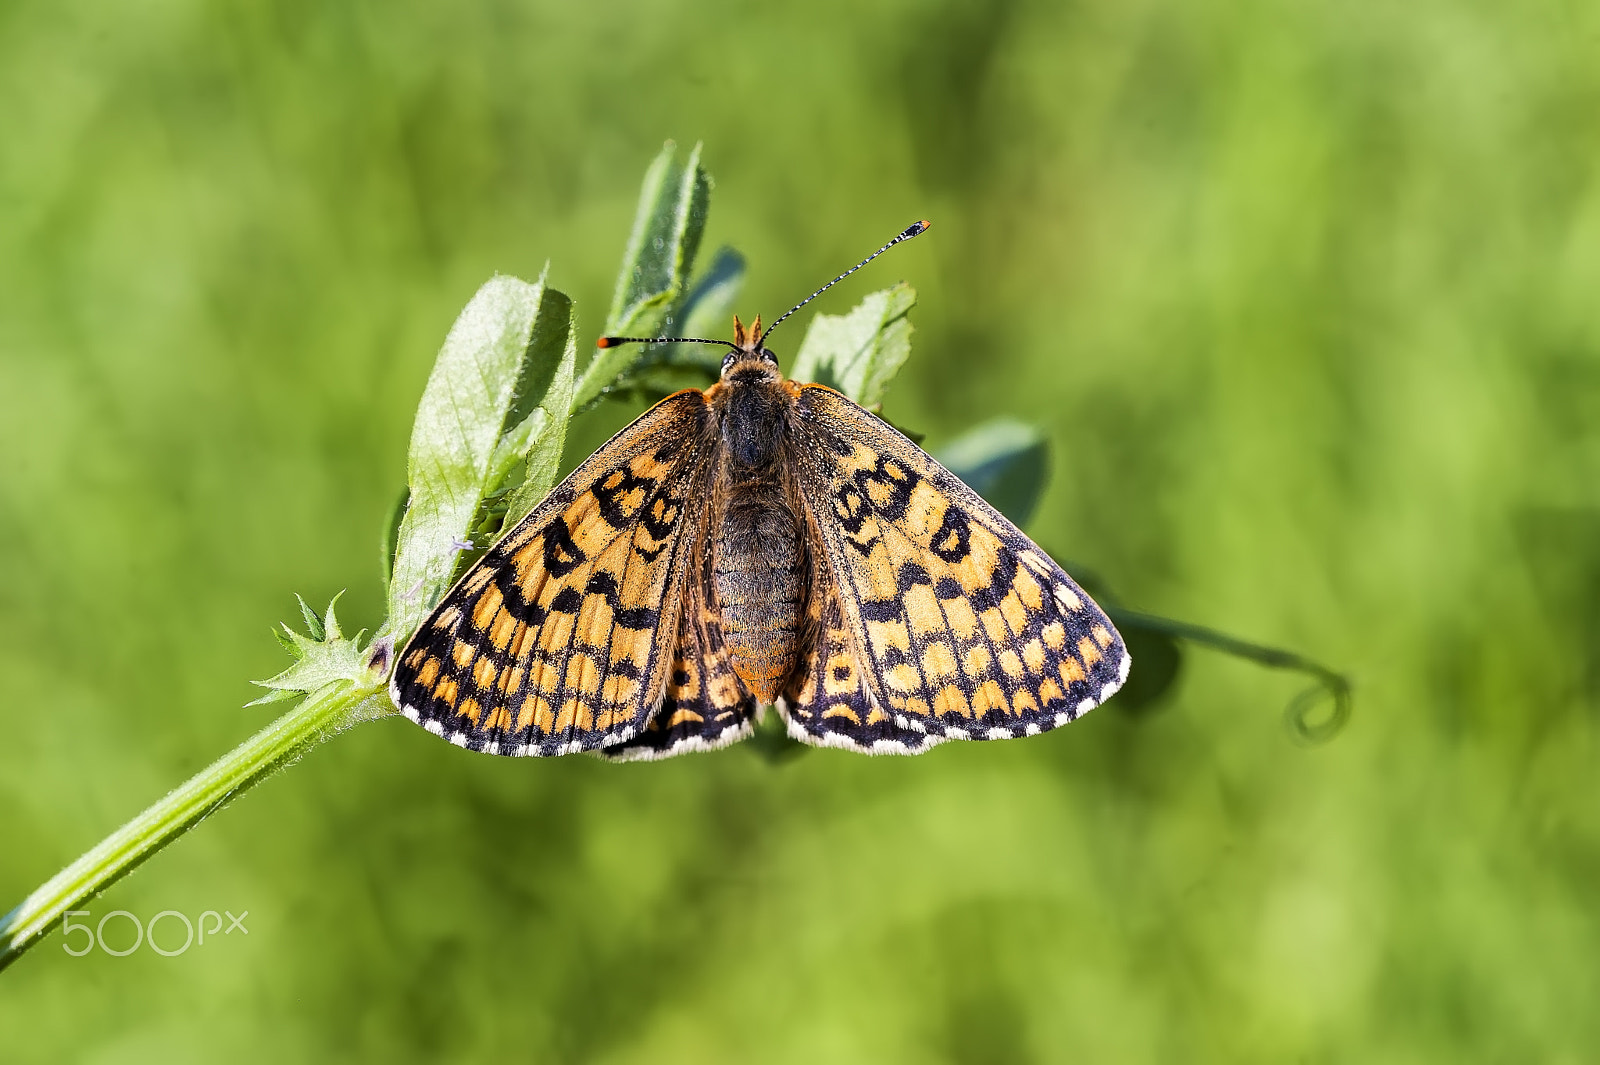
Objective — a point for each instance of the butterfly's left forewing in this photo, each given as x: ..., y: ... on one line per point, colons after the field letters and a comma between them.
x: 559, y: 639
x: 958, y: 626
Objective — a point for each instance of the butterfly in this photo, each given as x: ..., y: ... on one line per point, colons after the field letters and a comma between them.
x: 761, y: 543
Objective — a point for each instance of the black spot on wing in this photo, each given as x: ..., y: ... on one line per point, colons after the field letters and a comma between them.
x: 562, y: 555
x: 912, y: 574
x: 881, y: 610
x: 953, y: 541
x: 636, y: 618
x: 612, y: 490
x: 567, y: 601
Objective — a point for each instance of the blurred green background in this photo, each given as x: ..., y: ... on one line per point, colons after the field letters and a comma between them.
x: 1304, y: 295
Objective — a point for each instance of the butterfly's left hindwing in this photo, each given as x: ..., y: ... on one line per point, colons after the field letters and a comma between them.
x: 559, y: 639
x: 960, y: 626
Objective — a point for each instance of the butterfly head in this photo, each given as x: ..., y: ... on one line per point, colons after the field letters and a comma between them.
x: 746, y: 348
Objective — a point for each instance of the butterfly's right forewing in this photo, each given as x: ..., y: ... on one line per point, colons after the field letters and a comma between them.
x: 960, y: 626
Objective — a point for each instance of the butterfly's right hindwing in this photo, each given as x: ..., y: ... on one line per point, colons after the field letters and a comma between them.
x: 704, y: 706
x: 560, y: 638
x: 828, y: 701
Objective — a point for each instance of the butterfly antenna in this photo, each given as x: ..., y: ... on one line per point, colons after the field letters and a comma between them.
x: 911, y: 231
x: 611, y: 342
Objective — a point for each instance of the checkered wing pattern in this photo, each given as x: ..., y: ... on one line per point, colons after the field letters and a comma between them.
x: 562, y: 637
x: 828, y: 702
x: 705, y: 705
x: 938, y: 619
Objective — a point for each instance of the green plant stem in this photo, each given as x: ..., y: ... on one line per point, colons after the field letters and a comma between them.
x: 312, y: 720
x: 1298, y: 713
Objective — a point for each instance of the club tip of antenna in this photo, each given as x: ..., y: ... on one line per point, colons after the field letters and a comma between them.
x: 607, y: 342
x: 918, y: 229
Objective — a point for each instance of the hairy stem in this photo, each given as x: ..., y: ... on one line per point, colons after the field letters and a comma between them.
x: 311, y: 721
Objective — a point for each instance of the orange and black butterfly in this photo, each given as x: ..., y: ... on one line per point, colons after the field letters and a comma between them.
x: 761, y: 543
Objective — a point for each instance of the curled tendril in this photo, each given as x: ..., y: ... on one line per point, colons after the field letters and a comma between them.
x: 1298, y: 715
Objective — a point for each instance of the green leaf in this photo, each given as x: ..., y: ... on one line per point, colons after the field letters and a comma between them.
x: 859, y: 353
x: 1004, y: 461
x: 704, y: 311
x: 322, y: 658
x: 554, y: 344
x: 656, y: 268
x: 313, y: 623
x: 391, y: 535
x: 483, y: 412
x: 707, y: 309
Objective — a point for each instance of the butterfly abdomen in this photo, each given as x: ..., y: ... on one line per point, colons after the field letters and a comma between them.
x: 760, y: 583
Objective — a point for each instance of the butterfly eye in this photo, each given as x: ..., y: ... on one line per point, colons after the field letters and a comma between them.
x: 729, y: 359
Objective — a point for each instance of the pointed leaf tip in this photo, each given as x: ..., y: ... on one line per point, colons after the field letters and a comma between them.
x: 313, y: 623
x: 496, y: 402
x: 673, y: 203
